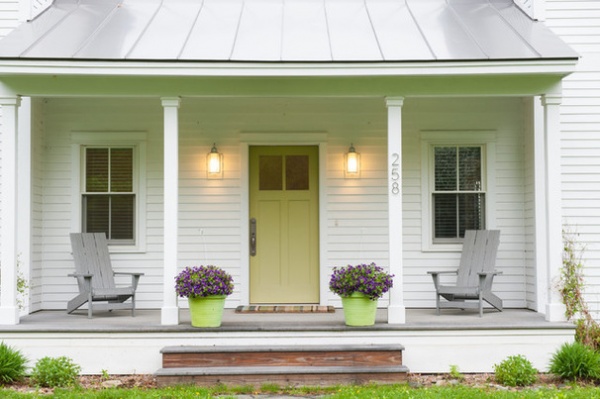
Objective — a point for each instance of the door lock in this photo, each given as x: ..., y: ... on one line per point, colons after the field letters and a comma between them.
x: 253, y: 237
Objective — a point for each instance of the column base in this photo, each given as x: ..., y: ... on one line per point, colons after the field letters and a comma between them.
x: 169, y: 316
x: 396, y: 314
x: 555, y: 312
x: 9, y: 316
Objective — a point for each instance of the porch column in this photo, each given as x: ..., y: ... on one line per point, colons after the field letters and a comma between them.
x: 170, y: 311
x: 555, y: 309
x: 396, y: 309
x: 9, y: 311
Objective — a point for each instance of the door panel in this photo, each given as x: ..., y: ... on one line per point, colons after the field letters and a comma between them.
x: 284, y: 201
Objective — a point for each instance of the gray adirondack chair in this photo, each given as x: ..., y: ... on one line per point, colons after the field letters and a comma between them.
x: 95, y: 277
x: 475, y: 274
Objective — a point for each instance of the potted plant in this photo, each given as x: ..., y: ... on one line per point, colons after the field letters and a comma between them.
x: 206, y: 288
x: 360, y: 287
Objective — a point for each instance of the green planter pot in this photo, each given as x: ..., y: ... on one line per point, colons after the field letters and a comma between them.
x: 207, y: 311
x: 359, y: 310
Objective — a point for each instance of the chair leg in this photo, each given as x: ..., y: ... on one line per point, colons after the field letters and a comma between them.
x: 437, y: 303
x: 90, y: 305
x: 480, y: 304
x: 133, y: 305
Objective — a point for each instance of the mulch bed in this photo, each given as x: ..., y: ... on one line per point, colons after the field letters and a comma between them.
x: 148, y: 381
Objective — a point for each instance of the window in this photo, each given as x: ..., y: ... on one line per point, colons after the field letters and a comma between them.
x: 457, y: 186
x: 457, y: 198
x: 109, y: 195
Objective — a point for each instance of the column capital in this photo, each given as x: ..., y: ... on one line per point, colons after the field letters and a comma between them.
x: 10, y: 100
x: 394, y: 101
x: 551, y: 99
x: 170, y: 101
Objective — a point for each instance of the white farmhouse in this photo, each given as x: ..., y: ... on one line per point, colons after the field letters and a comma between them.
x: 503, y: 94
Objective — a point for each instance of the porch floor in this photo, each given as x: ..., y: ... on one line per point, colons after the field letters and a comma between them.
x: 416, y: 319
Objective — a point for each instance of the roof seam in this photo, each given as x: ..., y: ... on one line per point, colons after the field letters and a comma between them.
x: 373, y: 29
x: 187, y: 38
x: 412, y: 15
x: 327, y: 28
x: 237, y: 30
x: 98, y: 28
x: 513, y: 28
x: 144, y: 30
x: 49, y: 30
x: 466, y: 29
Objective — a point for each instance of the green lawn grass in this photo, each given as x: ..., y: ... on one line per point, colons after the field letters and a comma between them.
x: 343, y: 392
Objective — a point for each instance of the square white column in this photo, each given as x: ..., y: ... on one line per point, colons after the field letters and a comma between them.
x: 9, y: 312
x: 555, y: 309
x: 170, y: 310
x: 396, y: 308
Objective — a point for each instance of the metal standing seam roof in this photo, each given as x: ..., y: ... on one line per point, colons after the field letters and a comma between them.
x: 284, y: 31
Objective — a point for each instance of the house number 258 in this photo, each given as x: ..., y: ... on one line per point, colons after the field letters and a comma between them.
x: 395, y: 174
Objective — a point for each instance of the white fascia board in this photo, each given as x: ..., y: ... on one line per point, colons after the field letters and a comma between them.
x: 239, y: 69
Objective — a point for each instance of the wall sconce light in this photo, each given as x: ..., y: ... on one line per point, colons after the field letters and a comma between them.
x: 214, y: 164
x: 352, y: 163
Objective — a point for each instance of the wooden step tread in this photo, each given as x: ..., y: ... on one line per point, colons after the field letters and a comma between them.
x: 283, y: 348
x: 212, y: 371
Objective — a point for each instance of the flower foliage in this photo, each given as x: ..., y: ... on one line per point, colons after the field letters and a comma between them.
x: 370, y: 280
x: 202, y: 281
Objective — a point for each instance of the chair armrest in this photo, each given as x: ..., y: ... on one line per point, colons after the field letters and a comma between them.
x: 80, y: 275
x: 436, y: 279
x: 135, y: 277
x: 443, y: 272
x: 494, y: 273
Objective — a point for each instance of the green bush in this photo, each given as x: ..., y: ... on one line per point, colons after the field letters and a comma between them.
x: 12, y: 364
x: 576, y: 361
x: 515, y: 371
x: 55, y: 372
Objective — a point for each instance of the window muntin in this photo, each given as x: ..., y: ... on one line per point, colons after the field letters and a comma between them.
x: 458, y: 193
x: 109, y: 197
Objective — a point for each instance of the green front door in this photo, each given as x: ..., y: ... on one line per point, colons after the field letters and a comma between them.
x: 284, y: 212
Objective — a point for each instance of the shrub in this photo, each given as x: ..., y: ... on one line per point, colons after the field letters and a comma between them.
x: 12, y: 364
x: 515, y: 371
x: 55, y: 372
x: 576, y: 361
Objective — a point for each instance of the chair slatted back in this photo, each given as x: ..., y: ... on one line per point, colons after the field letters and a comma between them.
x: 478, y: 255
x: 90, y: 251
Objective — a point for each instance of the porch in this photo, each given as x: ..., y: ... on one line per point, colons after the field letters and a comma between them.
x: 124, y: 345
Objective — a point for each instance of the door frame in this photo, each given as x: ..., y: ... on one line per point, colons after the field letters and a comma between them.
x: 281, y: 139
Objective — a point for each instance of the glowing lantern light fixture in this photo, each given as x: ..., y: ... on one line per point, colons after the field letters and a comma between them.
x: 352, y: 163
x: 214, y: 164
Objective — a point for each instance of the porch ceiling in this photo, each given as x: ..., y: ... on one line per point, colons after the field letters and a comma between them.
x: 284, y: 31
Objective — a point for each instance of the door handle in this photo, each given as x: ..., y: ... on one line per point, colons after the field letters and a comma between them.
x: 253, y: 237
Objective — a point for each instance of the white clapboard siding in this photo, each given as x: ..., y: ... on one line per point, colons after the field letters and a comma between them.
x: 578, y: 23
x: 9, y: 16
x: 210, y: 210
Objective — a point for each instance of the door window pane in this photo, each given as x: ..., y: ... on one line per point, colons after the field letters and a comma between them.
x: 296, y: 172
x: 270, y: 172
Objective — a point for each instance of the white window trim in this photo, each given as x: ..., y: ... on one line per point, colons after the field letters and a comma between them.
x: 485, y: 138
x: 138, y: 141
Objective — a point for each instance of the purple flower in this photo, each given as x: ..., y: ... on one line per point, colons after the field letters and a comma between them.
x: 201, y: 281
x: 370, y: 280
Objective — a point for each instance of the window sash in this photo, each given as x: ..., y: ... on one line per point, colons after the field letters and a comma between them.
x: 458, y: 192
x: 109, y: 200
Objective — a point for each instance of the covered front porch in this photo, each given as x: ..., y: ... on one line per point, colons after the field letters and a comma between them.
x: 122, y: 344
